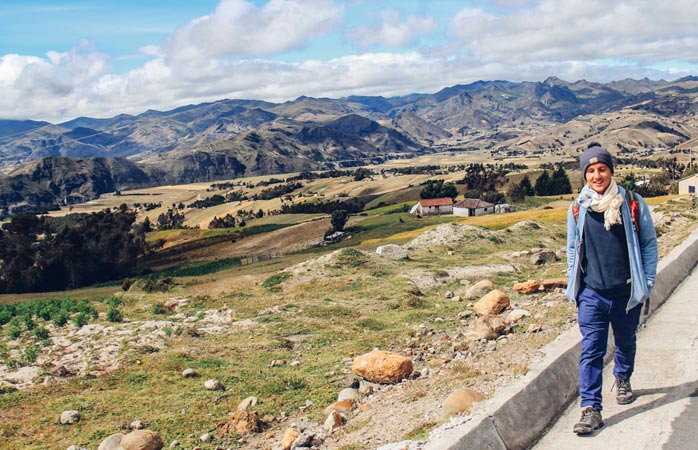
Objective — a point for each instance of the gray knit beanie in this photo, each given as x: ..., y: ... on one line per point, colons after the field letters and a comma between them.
x: 595, y: 154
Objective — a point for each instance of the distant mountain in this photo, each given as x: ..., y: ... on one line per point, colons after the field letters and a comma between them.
x: 234, y: 138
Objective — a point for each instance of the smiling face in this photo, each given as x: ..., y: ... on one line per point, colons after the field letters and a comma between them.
x: 598, y: 176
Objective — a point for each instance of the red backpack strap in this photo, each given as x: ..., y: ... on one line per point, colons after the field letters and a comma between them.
x: 575, y: 211
x: 634, y: 206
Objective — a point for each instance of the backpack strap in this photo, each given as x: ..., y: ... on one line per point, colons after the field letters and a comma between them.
x: 634, y: 206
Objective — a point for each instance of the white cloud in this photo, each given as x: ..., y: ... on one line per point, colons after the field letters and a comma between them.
x: 237, y: 27
x: 560, y: 30
x: 392, y: 32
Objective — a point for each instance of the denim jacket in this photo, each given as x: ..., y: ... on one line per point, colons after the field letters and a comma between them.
x: 642, y: 250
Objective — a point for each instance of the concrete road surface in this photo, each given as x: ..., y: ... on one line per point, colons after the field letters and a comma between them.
x: 665, y: 413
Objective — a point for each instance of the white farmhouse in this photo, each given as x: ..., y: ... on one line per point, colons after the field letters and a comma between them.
x: 472, y: 207
x: 688, y: 185
x: 433, y: 207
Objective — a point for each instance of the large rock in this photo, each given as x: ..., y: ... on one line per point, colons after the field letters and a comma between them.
x: 516, y: 315
x: 527, y: 287
x: 290, y: 435
x: 112, y: 442
x: 141, y: 440
x: 543, y: 257
x: 392, y: 251
x: 249, y: 402
x: 492, y: 303
x: 70, y: 417
x: 479, y: 289
x: 241, y: 422
x: 380, y: 366
x: 554, y: 283
x: 461, y: 400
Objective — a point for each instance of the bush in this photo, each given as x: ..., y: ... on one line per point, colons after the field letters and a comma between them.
x: 30, y: 354
x: 115, y: 315
x: 60, y: 318
x: 41, y: 333
x: 275, y: 280
x: 158, y: 309
x: 80, y: 319
x: 13, y: 332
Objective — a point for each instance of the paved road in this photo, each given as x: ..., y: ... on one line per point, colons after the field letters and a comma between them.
x: 665, y: 414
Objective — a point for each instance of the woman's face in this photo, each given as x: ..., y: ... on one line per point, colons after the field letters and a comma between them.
x: 599, y: 177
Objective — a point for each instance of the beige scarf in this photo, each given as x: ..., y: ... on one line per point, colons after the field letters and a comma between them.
x: 609, y: 204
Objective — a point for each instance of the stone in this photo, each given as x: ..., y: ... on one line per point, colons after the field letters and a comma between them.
x: 479, y: 330
x: 249, y: 402
x: 175, y: 444
x: 70, y: 417
x: 206, y: 437
x: 392, y: 251
x: 492, y: 303
x: 515, y: 315
x: 449, y: 294
x: 461, y: 400
x: 75, y: 447
x: 112, y: 442
x: 189, y: 373
x: 137, y: 425
x: 213, y: 385
x: 543, y: 257
x: 343, y: 407
x: 380, y: 366
x: 527, y: 287
x: 141, y: 440
x: 479, y: 289
x: 290, y: 435
x: 554, y: 283
x: 241, y: 422
x: 334, y: 420
x: 349, y: 394
x: 495, y: 323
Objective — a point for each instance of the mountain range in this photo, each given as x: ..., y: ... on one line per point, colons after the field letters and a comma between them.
x: 48, y: 164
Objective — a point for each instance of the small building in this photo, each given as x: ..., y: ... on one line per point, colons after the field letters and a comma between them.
x: 502, y: 208
x: 472, y: 207
x: 688, y: 185
x: 433, y: 207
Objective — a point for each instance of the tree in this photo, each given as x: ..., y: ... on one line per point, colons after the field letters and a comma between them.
x: 438, y: 189
x: 559, y: 182
x: 526, y: 186
x: 543, y: 184
x: 339, y: 219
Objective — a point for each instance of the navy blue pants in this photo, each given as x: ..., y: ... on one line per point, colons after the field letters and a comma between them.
x: 595, y: 313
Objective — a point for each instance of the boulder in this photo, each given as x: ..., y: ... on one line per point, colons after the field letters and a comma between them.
x: 380, y: 366
x: 249, y: 402
x: 492, y: 303
x: 213, y: 385
x: 141, y: 440
x: 189, y: 373
x: 461, y: 400
x: 392, y: 251
x: 241, y: 422
x: 495, y: 323
x: 290, y: 436
x: 527, y: 287
x: 70, y: 417
x: 112, y: 442
x: 334, y: 420
x: 349, y: 394
x: 516, y: 315
x: 543, y: 257
x: 479, y: 289
x: 554, y: 283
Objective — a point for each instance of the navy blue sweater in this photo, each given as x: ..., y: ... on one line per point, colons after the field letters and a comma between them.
x: 606, y: 261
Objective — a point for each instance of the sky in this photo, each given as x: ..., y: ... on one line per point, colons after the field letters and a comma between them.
x: 65, y: 59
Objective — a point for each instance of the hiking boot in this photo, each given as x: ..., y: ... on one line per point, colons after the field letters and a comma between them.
x: 624, y: 393
x: 590, y: 421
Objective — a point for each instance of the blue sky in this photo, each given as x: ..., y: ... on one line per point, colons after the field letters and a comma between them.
x: 63, y: 59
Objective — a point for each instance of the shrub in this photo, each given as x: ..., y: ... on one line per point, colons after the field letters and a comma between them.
x: 115, y: 315
x: 115, y: 302
x: 158, y: 308
x: 275, y: 280
x: 60, y: 318
x: 13, y: 332
x: 30, y: 354
x: 41, y: 333
x: 80, y: 319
